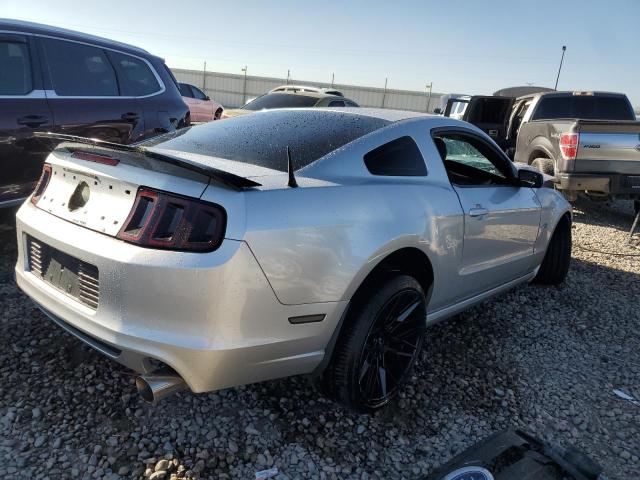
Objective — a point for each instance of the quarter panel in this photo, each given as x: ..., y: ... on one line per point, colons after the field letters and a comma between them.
x: 554, y: 206
x: 318, y: 244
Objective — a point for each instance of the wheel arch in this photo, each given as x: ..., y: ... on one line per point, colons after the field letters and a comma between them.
x: 406, y: 260
x: 539, y: 152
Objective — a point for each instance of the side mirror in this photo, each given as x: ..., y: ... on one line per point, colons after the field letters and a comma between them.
x: 530, y: 178
x: 437, y: 111
x: 207, y: 98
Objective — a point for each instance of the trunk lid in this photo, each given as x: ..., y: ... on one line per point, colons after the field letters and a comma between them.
x: 100, y: 197
x: 94, y: 184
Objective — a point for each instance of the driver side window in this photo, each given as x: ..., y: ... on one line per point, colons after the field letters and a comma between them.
x: 469, y: 161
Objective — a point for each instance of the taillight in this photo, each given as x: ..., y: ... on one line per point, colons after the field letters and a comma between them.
x: 45, y: 176
x: 569, y: 145
x: 167, y: 221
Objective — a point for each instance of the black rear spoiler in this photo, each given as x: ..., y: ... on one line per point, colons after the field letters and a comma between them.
x: 234, y: 181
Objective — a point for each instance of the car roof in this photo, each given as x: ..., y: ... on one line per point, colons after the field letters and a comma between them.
x: 305, y: 88
x: 578, y: 93
x: 380, y: 113
x: 41, y: 29
x: 305, y: 94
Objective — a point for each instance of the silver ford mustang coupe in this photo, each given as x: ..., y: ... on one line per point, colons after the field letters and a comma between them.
x: 285, y: 242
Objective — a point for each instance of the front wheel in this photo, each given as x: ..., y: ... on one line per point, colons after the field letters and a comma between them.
x: 555, y: 265
x: 379, y: 345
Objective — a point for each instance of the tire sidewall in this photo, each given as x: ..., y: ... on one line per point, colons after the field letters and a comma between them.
x: 361, y: 320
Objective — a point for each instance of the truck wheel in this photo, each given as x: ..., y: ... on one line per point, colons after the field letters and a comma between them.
x: 544, y: 165
x: 555, y: 264
x: 380, y: 342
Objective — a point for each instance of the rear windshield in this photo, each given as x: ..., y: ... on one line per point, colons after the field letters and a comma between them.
x: 262, y: 138
x: 588, y: 107
x: 281, y: 100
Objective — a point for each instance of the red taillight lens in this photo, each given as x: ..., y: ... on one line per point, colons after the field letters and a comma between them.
x: 45, y: 176
x: 569, y: 145
x: 168, y: 221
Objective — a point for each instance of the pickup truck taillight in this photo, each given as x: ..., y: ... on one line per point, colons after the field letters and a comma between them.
x: 172, y: 222
x: 569, y: 145
x: 42, y: 183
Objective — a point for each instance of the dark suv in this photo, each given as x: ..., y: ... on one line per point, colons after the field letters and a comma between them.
x: 62, y: 81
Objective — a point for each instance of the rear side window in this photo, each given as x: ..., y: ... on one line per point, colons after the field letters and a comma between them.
x: 589, y: 107
x: 400, y: 157
x: 197, y: 93
x: 281, y: 100
x: 336, y: 103
x: 185, y: 90
x: 15, y: 68
x: 79, y: 70
x: 134, y: 75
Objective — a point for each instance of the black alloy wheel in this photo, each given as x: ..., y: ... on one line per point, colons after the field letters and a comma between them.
x: 391, y: 347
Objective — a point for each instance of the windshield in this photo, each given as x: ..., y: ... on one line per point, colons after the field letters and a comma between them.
x: 252, y: 139
x: 281, y: 100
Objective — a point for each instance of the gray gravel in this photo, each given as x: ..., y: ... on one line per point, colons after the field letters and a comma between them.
x: 542, y: 359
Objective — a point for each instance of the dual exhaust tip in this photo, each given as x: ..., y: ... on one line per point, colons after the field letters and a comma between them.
x: 159, y: 384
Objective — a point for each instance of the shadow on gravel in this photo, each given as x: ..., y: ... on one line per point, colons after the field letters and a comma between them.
x: 618, y: 215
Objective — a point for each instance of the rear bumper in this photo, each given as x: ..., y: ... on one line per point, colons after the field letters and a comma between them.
x: 211, y: 317
x: 601, y: 183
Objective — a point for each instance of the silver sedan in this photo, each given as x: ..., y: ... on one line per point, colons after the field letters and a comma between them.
x: 306, y: 241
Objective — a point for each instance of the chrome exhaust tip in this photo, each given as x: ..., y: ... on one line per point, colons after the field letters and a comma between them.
x: 158, y: 385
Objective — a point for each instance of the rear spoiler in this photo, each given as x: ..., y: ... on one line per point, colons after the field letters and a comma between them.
x: 234, y: 181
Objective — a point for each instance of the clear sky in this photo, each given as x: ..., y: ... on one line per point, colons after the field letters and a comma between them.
x: 462, y: 46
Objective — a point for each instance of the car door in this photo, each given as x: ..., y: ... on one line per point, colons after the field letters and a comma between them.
x: 518, y: 112
x: 86, y: 95
x: 205, y: 106
x: 490, y: 114
x: 23, y: 110
x: 501, y: 218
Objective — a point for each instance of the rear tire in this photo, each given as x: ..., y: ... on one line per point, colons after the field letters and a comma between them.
x: 378, y: 346
x: 555, y: 264
x: 544, y: 165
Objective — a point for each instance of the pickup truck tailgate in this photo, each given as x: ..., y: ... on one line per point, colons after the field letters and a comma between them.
x: 608, y: 147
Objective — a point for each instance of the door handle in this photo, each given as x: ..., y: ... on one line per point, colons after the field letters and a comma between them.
x: 130, y: 117
x: 32, y: 120
x: 478, y: 212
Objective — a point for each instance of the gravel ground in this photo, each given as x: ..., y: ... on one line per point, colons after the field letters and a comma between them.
x: 539, y: 358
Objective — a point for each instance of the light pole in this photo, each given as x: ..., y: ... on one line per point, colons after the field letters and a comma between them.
x: 564, y: 47
x: 244, y: 89
x: 430, y: 85
x: 384, y: 93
